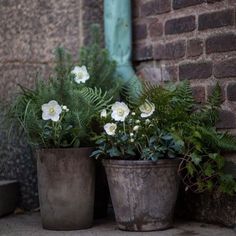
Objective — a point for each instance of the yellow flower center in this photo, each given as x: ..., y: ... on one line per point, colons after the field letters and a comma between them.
x: 120, y: 112
x: 112, y: 128
x: 51, y: 110
x: 80, y: 75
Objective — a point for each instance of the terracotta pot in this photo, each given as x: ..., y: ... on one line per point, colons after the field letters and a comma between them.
x: 143, y: 193
x: 66, y: 188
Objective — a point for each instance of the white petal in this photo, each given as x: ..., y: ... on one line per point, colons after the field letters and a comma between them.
x: 46, y: 116
x: 45, y: 107
x: 58, y: 109
x: 55, y: 117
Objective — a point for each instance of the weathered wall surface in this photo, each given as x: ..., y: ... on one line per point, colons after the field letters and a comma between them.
x: 189, y: 39
x: 30, y: 30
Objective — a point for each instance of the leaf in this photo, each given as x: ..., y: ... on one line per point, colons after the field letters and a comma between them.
x: 196, y: 158
x: 190, y: 168
x: 208, y: 171
x: 218, y: 159
x: 209, y: 185
x: 114, y: 152
x: 96, y: 153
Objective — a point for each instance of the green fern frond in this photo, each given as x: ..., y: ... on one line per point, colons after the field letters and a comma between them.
x: 209, y: 113
x: 216, y: 140
x: 96, y: 98
x: 215, y: 99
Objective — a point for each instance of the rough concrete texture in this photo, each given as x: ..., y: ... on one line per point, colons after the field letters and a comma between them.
x: 30, y: 30
x: 30, y: 225
x: 16, y: 162
x: 213, y: 207
x: 9, y: 194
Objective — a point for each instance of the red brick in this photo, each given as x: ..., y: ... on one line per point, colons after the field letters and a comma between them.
x: 199, y: 94
x: 150, y: 74
x: 232, y: 3
x: 213, y: 1
x: 180, y: 25
x: 155, y: 28
x: 231, y: 92
x: 155, y: 7
x: 226, y: 120
x: 177, y: 4
x: 221, y: 43
x: 216, y: 19
x: 139, y: 31
x: 169, y: 51
x: 224, y: 69
x: 195, y: 47
x: 169, y: 73
x: 200, y: 70
x: 142, y: 52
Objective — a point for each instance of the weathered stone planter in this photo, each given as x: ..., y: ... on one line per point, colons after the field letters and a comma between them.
x: 143, y: 193
x: 66, y: 188
x: 9, y: 194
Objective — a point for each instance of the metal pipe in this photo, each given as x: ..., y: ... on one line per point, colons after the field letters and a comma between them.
x: 118, y: 40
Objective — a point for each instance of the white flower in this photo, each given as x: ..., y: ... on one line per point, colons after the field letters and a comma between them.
x: 119, y: 111
x: 133, y: 114
x: 131, y: 140
x: 131, y: 134
x: 81, y: 74
x: 137, y: 121
x: 103, y: 114
x: 110, y: 128
x: 147, y: 109
x: 51, y: 111
x: 136, y: 127
x: 65, y: 108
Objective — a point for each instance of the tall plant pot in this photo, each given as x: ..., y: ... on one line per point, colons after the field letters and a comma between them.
x: 66, y: 188
x: 143, y: 193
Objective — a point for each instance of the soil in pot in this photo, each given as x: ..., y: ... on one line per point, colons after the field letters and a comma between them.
x: 143, y: 193
x: 66, y: 181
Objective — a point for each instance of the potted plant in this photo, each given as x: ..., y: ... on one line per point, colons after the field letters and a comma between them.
x: 144, y: 145
x: 57, y: 117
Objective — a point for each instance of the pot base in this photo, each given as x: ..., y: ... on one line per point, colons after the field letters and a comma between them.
x: 135, y: 227
x: 64, y: 228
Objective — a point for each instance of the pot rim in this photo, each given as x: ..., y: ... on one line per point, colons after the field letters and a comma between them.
x: 61, y: 149
x: 140, y: 163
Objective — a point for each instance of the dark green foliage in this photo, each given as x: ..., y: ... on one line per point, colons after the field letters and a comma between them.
x: 173, y: 103
x: 83, y: 104
x: 100, y: 67
x: 202, y: 165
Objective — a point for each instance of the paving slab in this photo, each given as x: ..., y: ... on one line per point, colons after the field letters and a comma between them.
x: 30, y: 225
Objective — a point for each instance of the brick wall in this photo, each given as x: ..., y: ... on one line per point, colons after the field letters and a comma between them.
x: 189, y: 39
x: 30, y: 30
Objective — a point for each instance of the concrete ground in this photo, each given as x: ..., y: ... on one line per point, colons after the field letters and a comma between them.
x: 30, y: 225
